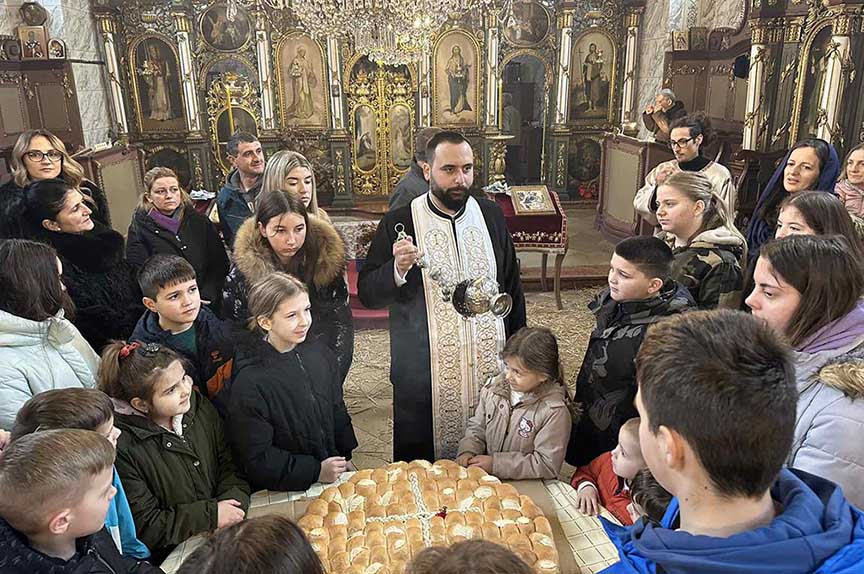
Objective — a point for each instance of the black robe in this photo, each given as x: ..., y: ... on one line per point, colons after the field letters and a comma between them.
x: 410, y: 369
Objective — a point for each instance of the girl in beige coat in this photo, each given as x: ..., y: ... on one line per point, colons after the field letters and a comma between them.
x: 521, y: 425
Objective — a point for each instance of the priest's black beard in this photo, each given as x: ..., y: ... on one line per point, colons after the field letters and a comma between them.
x: 448, y: 200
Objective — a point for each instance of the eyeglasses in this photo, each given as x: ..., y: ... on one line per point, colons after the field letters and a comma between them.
x: 36, y: 155
x: 163, y: 191
x: 680, y: 143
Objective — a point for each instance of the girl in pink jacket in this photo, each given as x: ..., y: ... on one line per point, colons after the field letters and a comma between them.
x: 521, y: 425
x: 850, y: 186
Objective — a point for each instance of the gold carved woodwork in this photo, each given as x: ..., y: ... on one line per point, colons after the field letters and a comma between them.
x: 231, y: 102
x: 798, y: 102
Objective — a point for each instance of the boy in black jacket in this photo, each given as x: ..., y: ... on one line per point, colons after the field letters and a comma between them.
x: 55, y: 488
x: 176, y: 319
x: 640, y: 293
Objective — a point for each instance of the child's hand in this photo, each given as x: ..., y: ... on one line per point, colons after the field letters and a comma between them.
x: 4, y: 439
x: 588, y: 501
x: 229, y: 512
x: 484, y: 461
x: 331, y: 468
x: 463, y: 459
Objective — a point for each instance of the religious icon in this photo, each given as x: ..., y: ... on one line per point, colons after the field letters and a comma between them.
x: 225, y: 28
x: 365, y: 137
x: 56, y: 49
x: 455, y: 81
x: 33, y: 46
x: 33, y: 13
x: 583, y: 168
x: 528, y: 23
x: 164, y: 156
x: 156, y: 81
x: 400, y: 136
x: 221, y: 67
x: 592, y: 79
x: 302, y: 82
x: 814, y: 66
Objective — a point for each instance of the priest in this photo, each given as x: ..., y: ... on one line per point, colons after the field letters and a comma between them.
x: 438, y: 360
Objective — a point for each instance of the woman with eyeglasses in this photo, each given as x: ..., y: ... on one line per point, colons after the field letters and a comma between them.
x: 687, y: 136
x: 38, y: 155
x: 811, y: 165
x: 165, y: 222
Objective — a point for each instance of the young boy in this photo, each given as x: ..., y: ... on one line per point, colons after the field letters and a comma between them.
x: 605, y: 482
x: 640, y: 293
x: 86, y: 409
x: 717, y: 398
x: 176, y: 319
x: 648, y: 499
x: 55, y: 489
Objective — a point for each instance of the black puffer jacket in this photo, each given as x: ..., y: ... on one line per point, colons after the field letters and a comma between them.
x: 197, y: 241
x: 100, y: 281
x: 285, y: 413
x: 96, y: 554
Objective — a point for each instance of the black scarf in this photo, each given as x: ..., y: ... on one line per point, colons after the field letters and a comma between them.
x: 95, y: 251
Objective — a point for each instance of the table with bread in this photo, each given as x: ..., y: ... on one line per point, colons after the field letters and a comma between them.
x: 374, y: 521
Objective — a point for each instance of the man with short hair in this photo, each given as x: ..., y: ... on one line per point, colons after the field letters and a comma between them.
x: 414, y: 183
x: 439, y: 360
x: 659, y: 116
x: 717, y: 401
x: 236, y: 200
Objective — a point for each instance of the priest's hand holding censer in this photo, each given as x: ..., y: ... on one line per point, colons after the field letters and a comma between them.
x: 405, y: 252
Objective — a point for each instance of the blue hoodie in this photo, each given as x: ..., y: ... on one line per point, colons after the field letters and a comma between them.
x: 819, y: 532
x: 121, y: 526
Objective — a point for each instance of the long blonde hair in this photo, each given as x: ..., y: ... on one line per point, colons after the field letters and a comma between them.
x: 697, y: 187
x: 70, y: 170
x: 277, y: 169
x: 158, y: 172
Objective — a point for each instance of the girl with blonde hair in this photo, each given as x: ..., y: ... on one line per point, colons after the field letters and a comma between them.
x: 290, y: 171
x: 708, y: 249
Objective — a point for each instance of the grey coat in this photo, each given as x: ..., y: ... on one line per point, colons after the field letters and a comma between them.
x: 830, y: 420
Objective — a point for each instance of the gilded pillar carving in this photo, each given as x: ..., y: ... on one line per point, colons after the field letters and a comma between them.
x: 755, y: 85
x: 265, y: 79
x: 836, y: 77
x: 109, y: 28
x: 565, y: 46
x: 628, y: 118
x: 424, y: 87
x: 337, y: 107
x: 187, y: 75
x: 492, y: 76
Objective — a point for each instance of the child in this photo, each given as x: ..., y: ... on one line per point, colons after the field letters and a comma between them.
x: 521, y: 424
x: 474, y: 556
x: 172, y: 456
x: 176, y: 319
x: 717, y: 399
x: 87, y: 409
x: 604, y: 482
x: 648, y: 498
x: 269, y: 543
x: 287, y: 422
x: 55, y: 490
x: 640, y: 293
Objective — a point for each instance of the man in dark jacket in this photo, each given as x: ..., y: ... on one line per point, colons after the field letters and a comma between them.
x: 42, y: 531
x: 640, y: 293
x: 659, y: 117
x: 413, y: 183
x: 236, y: 200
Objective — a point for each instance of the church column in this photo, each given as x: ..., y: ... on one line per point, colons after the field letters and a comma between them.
x: 340, y: 145
x: 424, y: 89
x: 560, y: 141
x: 755, y: 81
x: 836, y: 78
x: 631, y: 57
x: 265, y: 81
x: 118, y: 106
x: 493, y: 77
x: 187, y: 75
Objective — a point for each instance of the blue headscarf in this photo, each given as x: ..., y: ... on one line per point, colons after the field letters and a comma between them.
x: 759, y: 231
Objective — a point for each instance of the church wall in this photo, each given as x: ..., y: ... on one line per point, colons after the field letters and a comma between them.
x: 719, y: 13
x: 649, y: 74
x: 72, y: 21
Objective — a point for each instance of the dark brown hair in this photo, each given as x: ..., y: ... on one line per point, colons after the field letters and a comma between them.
x: 650, y: 255
x: 698, y: 124
x: 72, y: 408
x: 827, y: 274
x: 44, y: 472
x: 444, y: 136
x: 160, y: 271
x: 30, y: 285
x: 778, y: 193
x: 649, y: 495
x: 134, y: 375
x: 825, y: 214
x: 537, y: 348
x: 269, y: 544
x: 694, y: 369
x: 474, y: 556
x: 279, y: 203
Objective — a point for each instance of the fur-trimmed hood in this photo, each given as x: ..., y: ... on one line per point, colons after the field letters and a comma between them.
x: 255, y: 259
x: 845, y: 375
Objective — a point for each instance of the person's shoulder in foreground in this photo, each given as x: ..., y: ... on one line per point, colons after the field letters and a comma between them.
x: 736, y: 509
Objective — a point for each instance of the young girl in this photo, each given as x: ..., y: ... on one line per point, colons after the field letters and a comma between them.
x: 808, y: 289
x: 706, y: 246
x: 288, y: 170
x: 521, y: 425
x: 850, y: 187
x: 817, y: 213
x: 287, y: 422
x: 171, y: 455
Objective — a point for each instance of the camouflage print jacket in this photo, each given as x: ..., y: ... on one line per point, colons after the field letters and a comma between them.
x: 606, y: 384
x: 710, y: 268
